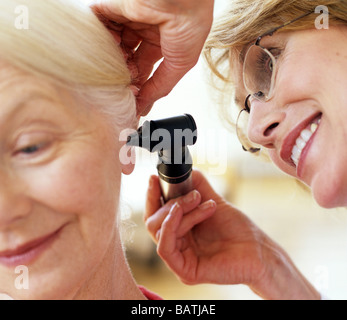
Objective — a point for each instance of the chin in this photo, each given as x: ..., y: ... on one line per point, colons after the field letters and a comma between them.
x: 329, y: 193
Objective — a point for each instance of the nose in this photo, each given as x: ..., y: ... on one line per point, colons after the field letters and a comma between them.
x: 264, y: 123
x: 14, y: 205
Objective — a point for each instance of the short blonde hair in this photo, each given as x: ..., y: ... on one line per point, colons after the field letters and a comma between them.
x: 65, y: 42
x: 245, y: 20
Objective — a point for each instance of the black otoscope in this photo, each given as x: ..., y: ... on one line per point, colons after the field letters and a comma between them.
x: 170, y: 138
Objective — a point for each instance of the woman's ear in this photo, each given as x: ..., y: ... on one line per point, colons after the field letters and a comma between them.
x: 127, y: 154
x: 127, y: 158
x: 127, y: 170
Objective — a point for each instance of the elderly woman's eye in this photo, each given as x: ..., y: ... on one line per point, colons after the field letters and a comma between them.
x: 31, y: 144
x: 32, y: 149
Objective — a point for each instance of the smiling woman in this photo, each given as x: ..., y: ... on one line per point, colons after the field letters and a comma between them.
x: 285, y: 62
x: 289, y: 73
x: 65, y: 96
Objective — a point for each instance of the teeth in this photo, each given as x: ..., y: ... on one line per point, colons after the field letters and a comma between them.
x: 314, y: 127
x: 301, y: 142
x: 306, y: 135
x: 296, y: 153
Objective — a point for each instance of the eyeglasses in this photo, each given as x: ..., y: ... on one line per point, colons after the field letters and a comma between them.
x: 259, y: 75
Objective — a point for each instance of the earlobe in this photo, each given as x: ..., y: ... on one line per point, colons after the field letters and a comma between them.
x: 127, y: 158
x: 128, y: 169
x: 127, y: 154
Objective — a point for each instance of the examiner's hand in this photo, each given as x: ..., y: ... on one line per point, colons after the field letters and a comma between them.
x: 204, y: 239
x: 153, y: 29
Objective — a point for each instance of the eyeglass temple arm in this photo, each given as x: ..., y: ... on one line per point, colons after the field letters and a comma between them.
x: 247, y: 109
x: 271, y: 32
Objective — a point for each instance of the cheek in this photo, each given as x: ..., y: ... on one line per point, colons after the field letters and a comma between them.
x: 328, y: 184
x: 305, y: 75
x: 82, y: 189
x: 83, y: 186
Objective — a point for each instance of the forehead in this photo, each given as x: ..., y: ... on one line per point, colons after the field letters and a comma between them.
x: 308, y: 43
x: 17, y: 84
x: 17, y: 87
x: 26, y: 98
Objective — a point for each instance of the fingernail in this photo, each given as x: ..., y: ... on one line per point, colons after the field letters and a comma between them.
x: 207, y: 205
x: 174, y: 208
x: 190, y: 197
x: 173, y: 211
x: 157, y: 235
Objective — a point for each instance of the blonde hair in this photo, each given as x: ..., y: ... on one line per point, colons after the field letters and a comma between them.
x: 65, y: 42
x: 244, y: 21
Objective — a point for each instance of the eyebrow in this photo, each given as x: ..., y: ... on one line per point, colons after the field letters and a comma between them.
x: 272, y: 31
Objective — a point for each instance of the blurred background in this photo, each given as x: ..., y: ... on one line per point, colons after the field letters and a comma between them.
x: 315, y: 238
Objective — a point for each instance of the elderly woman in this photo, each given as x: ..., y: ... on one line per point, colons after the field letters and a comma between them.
x: 65, y: 93
x: 285, y: 62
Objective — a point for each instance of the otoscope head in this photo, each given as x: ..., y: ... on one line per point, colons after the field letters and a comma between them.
x: 170, y: 138
x: 165, y: 135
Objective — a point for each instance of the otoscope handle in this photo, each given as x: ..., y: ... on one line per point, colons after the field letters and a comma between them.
x: 174, y: 189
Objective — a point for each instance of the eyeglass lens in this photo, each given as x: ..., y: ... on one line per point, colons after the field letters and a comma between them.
x: 258, y: 72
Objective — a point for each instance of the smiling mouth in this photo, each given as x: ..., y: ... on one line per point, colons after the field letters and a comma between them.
x: 303, y: 139
x: 27, y: 252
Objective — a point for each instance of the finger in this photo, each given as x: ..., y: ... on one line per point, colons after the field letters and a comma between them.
x: 197, y: 216
x: 149, y: 33
x: 130, y: 39
x: 155, y: 219
x: 107, y: 9
x: 125, y: 11
x: 192, y: 219
x: 117, y: 37
x: 145, y: 57
x: 167, y: 242
x: 164, y: 79
x: 153, y: 202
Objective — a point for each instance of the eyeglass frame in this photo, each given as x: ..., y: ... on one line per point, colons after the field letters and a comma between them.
x: 257, y: 43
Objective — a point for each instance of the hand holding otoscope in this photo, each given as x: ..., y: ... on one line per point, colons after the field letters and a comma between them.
x: 170, y: 138
x: 205, y: 239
